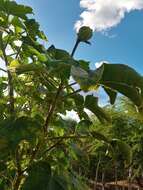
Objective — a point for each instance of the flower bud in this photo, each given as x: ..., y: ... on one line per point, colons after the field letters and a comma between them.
x: 84, y: 34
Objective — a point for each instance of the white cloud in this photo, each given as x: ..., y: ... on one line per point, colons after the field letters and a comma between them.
x: 2, y: 66
x: 101, y: 15
x: 70, y: 115
x: 98, y: 64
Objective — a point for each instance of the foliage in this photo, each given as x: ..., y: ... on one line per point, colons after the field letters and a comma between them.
x: 38, y: 148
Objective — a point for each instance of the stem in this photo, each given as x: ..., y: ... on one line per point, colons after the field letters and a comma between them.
x: 19, y: 172
x: 52, y: 108
x: 75, y: 92
x: 70, y: 85
x: 17, y: 182
x: 116, y: 176
x: 54, y: 145
x: 3, y: 70
x: 59, y: 141
x: 103, y: 183
x: 97, y: 171
x: 18, y: 52
x: 10, y: 80
x: 75, y: 47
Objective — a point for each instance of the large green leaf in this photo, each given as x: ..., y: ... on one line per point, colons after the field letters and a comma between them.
x: 114, y: 78
x: 38, y: 177
x: 12, y: 8
x: 112, y: 94
x: 91, y: 103
x: 125, y: 80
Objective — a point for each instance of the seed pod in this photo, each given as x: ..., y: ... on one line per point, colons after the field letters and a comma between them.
x: 84, y: 34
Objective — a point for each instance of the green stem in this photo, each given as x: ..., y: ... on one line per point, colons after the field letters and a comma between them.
x: 75, y: 47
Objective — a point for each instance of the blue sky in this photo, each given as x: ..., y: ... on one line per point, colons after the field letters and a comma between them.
x: 123, y: 44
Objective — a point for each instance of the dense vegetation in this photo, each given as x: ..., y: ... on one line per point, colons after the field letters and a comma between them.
x: 38, y: 148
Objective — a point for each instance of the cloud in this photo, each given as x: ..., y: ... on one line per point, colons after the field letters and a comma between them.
x: 102, y: 15
x: 70, y: 115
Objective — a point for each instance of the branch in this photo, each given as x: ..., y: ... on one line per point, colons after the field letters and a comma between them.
x: 60, y: 139
x: 10, y: 82
x: 53, y: 146
x: 52, y: 108
x: 70, y: 84
x: 3, y: 70
x: 18, y: 52
x: 75, y: 92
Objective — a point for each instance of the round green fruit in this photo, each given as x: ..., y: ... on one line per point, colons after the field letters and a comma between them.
x: 84, y: 34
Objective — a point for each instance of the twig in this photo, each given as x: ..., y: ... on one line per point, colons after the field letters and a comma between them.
x: 3, y: 70
x: 75, y: 92
x: 53, y: 146
x: 70, y: 84
x: 18, y: 52
x: 52, y: 108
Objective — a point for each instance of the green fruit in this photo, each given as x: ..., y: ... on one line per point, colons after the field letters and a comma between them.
x: 84, y: 34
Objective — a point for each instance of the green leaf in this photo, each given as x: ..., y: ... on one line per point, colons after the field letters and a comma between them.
x: 88, y: 80
x: 91, y: 103
x: 17, y: 22
x: 38, y: 176
x: 78, y: 73
x: 42, y: 35
x: 58, y: 183
x: 14, y: 63
x: 59, y: 69
x: 33, y: 30
x: 20, y: 69
x: 125, y: 80
x: 79, y: 101
x: 83, y: 64
x: 58, y: 54
x: 32, y: 51
x: 12, y: 8
x: 112, y: 94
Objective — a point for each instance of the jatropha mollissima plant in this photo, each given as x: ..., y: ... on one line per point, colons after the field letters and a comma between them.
x: 39, y: 149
